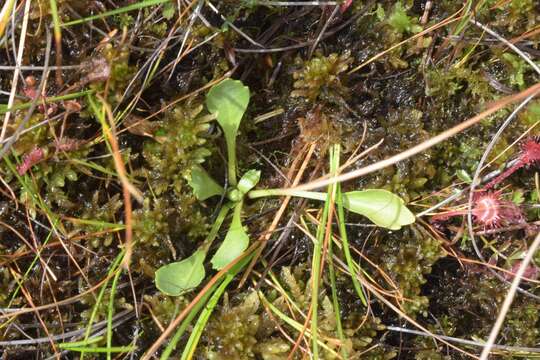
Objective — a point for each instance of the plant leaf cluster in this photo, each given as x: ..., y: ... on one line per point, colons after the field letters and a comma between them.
x: 227, y: 102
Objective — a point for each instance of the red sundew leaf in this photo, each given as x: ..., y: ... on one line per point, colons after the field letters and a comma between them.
x: 346, y: 4
x: 35, y: 156
x: 531, y: 272
x: 529, y: 155
x: 68, y: 144
x: 530, y: 151
x: 489, y: 211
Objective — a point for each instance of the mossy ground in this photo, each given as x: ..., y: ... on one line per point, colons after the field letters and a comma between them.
x: 63, y: 220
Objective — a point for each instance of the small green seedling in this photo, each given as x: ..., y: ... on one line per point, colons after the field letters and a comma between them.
x: 228, y: 101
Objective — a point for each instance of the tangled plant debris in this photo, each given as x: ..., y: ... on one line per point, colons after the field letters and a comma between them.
x: 158, y: 189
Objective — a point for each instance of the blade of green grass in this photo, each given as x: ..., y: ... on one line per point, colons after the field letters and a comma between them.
x: 316, y: 265
x: 110, y: 312
x: 135, y: 6
x: 98, y: 223
x: 346, y: 249
x: 97, y: 167
x: 334, y: 166
x: 82, y: 343
x: 57, y: 40
x: 114, y: 267
x: 114, y: 349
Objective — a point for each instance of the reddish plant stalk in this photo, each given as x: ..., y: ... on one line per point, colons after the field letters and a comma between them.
x: 530, y: 154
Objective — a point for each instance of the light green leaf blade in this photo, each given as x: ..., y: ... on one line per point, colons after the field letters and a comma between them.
x: 203, y: 185
x: 382, y: 207
x: 177, y: 278
x: 464, y: 176
x: 236, y: 241
x: 249, y: 181
x: 228, y: 100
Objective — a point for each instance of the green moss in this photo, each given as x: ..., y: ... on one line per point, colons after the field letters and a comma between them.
x: 320, y: 76
x: 231, y: 334
x: 521, y: 325
x: 156, y: 229
x: 152, y: 221
x: 401, y: 22
x: 399, y: 130
x: 408, y: 256
x: 516, y: 69
x: 520, y: 14
x: 457, y: 81
x: 165, y: 308
x: 89, y: 300
x: 101, y: 210
x: 180, y: 145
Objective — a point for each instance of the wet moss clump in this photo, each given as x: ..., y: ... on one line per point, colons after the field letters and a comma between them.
x: 164, y: 308
x: 101, y: 210
x: 402, y: 129
x: 408, y: 257
x: 246, y: 331
x: 469, y: 299
x: 320, y: 76
x: 232, y: 334
x: 164, y: 232
x: 179, y: 145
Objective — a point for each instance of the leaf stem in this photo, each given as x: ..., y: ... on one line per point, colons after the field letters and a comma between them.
x: 313, y: 195
x: 231, y: 156
x: 215, y: 227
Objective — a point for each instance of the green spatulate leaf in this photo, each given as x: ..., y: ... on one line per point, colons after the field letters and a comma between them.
x: 380, y: 206
x: 228, y: 100
x: 236, y: 241
x: 203, y: 185
x: 180, y: 277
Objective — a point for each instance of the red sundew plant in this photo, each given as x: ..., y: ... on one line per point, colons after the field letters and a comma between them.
x: 30, y: 90
x: 531, y: 272
x: 529, y: 155
x: 68, y: 144
x: 488, y: 210
x: 35, y: 156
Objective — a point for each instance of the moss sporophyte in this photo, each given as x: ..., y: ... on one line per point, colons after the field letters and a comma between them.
x: 228, y: 101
